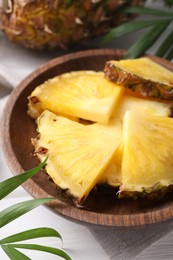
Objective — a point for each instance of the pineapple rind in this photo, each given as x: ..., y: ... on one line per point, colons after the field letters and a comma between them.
x: 74, y: 151
x: 147, y: 155
x: 143, y: 76
x: 87, y: 95
x: 57, y: 24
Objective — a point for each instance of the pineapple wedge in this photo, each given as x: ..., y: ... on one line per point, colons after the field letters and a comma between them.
x: 83, y: 94
x: 112, y: 175
x: 143, y: 76
x: 78, y: 154
x: 147, y: 164
x: 152, y: 107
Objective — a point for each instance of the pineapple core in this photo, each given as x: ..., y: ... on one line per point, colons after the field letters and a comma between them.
x: 147, y: 163
x: 78, y: 154
x: 83, y: 94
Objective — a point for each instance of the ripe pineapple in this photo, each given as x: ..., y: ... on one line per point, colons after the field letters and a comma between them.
x: 147, y: 164
x: 82, y: 94
x: 143, y: 76
x: 78, y: 154
x: 50, y: 24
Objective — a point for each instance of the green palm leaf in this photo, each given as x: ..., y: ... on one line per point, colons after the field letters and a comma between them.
x: 13, y: 253
x: 147, y: 11
x: 47, y: 249
x: 146, y: 41
x: 155, y: 28
x: 19, y: 209
x: 12, y: 183
x: 169, y: 55
x: 31, y: 234
x: 129, y: 27
x: 164, y: 48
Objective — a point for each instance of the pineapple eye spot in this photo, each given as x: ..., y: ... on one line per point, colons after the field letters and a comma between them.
x: 34, y: 100
x: 41, y: 150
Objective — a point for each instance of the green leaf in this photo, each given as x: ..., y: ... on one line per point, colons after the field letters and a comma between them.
x: 169, y: 55
x: 169, y: 2
x: 148, y: 11
x: 19, y: 209
x: 13, y: 253
x: 129, y: 27
x: 146, y: 41
x: 31, y: 234
x: 166, y: 44
x: 12, y: 183
x: 47, y: 249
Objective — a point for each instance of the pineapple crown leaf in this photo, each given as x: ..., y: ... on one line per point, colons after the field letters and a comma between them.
x: 15, y: 211
x: 154, y: 29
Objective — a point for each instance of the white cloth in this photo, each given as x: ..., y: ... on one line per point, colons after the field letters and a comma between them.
x: 81, y: 242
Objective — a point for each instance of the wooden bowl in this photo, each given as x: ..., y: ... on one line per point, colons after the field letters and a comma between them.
x: 18, y: 129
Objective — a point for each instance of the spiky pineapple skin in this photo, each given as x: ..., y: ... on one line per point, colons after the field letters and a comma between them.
x: 145, y: 87
x: 50, y: 24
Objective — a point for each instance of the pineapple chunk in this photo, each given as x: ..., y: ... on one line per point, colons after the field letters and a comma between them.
x: 143, y: 76
x: 83, y: 94
x: 78, y: 154
x: 147, y: 163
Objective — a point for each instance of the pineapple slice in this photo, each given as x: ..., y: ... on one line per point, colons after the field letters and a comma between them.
x: 83, y: 94
x: 147, y: 164
x: 143, y: 76
x: 112, y: 175
x: 78, y: 154
x: 131, y: 103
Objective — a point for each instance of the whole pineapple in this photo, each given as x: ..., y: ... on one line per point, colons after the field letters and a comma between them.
x: 40, y: 24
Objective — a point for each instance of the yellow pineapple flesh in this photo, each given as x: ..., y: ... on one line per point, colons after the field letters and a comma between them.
x: 132, y: 103
x: 119, y: 138
x: 147, y: 164
x: 143, y: 76
x: 77, y: 154
x: 83, y: 94
x: 112, y: 175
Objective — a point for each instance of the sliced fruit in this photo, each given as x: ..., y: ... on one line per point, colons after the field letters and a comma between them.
x: 112, y: 175
x: 152, y: 107
x: 78, y: 154
x: 143, y: 76
x: 83, y: 94
x: 147, y: 164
